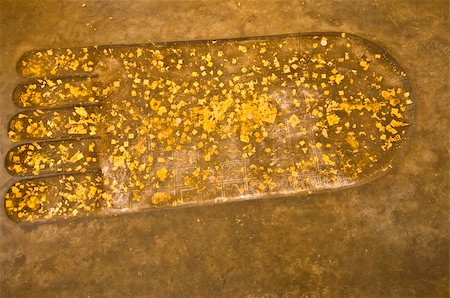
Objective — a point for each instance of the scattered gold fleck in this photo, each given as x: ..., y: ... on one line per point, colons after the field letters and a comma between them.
x: 293, y: 120
x: 162, y: 174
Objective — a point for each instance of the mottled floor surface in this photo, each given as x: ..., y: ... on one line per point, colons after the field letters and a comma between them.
x: 386, y: 238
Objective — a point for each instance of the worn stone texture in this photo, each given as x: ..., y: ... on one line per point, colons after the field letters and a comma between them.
x: 386, y: 238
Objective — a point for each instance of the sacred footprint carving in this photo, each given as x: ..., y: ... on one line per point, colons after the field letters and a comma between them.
x: 114, y: 129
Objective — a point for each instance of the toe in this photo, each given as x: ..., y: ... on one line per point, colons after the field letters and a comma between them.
x: 57, y: 93
x: 55, y: 197
x: 47, y: 158
x: 57, y: 62
x: 71, y: 123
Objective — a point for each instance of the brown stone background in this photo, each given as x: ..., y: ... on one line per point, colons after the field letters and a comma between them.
x: 386, y: 238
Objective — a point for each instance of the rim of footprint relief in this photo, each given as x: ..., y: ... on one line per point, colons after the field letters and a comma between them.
x: 113, y: 129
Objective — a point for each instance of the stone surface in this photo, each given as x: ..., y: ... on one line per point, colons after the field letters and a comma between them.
x: 386, y: 238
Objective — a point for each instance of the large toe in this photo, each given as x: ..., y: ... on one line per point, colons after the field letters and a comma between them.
x: 55, y: 197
